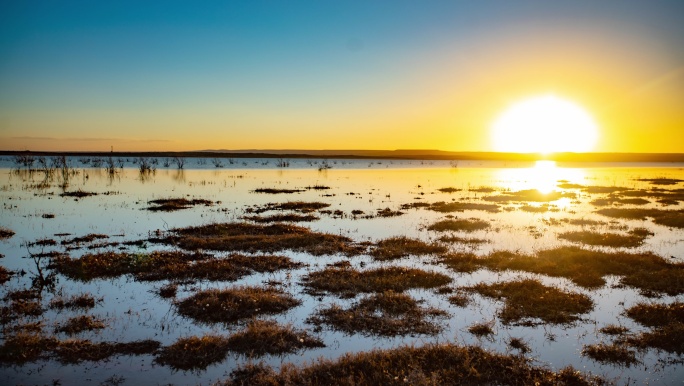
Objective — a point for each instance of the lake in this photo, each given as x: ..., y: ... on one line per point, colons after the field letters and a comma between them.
x: 607, y: 236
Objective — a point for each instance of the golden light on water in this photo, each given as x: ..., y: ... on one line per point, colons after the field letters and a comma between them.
x: 543, y: 176
x: 546, y: 124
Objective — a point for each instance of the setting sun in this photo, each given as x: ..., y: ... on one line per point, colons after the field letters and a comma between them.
x: 546, y: 124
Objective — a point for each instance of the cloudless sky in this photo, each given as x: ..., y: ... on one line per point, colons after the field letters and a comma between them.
x: 179, y: 75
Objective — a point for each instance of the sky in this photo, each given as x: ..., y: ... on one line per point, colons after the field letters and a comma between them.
x: 179, y: 75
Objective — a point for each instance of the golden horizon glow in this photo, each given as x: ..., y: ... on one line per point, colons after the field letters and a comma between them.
x: 546, y: 124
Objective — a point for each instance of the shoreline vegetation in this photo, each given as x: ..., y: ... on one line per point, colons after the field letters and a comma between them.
x: 376, y: 154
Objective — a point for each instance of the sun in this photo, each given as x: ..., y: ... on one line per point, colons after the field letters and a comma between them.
x: 545, y: 124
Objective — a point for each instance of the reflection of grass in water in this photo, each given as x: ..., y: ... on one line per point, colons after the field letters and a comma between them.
x: 385, y: 314
x: 233, y: 304
x: 401, y: 246
x: 349, y: 282
x: 529, y: 299
x: 635, y: 238
x: 427, y: 365
x: 262, y: 337
x: 610, y: 353
x: 462, y: 225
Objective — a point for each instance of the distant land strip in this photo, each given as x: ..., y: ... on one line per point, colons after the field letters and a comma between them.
x: 377, y: 154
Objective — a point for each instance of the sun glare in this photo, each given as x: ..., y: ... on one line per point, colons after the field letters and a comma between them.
x: 546, y: 124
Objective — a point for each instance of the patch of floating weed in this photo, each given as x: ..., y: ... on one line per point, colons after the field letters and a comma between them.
x: 461, y: 225
x: 385, y: 314
x: 530, y: 195
x: 80, y: 350
x: 481, y: 329
x: 79, y: 324
x: 610, y: 353
x: 6, y: 233
x: 612, y: 329
x: 78, y: 194
x: 528, y: 299
x: 401, y: 246
x: 289, y: 217
x: 264, y: 238
x: 317, y: 187
x: 432, y: 364
x: 349, y: 282
x: 519, y: 344
x: 233, y: 304
x: 194, y: 353
x: 670, y: 218
x: 171, y: 204
x: 607, y: 239
x: 449, y: 190
x: 262, y: 337
x: 277, y: 191
x: 645, y: 271
x: 81, y: 301
x: 462, y: 240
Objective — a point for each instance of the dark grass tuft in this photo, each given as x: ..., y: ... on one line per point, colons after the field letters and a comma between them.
x: 277, y: 191
x: 481, y: 329
x: 607, y: 239
x: 401, y: 246
x: 262, y: 337
x: 460, y: 225
x: 288, y: 217
x: 194, y: 353
x: 6, y: 233
x: 78, y: 194
x: 79, y: 324
x: 234, y: 304
x: 384, y: 314
x: 610, y: 353
x: 171, y: 204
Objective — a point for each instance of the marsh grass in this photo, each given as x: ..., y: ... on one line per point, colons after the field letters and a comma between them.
x: 459, y: 300
x: 661, y: 181
x: 432, y: 364
x: 171, y: 204
x: 76, y: 302
x: 527, y: 300
x: 348, y: 282
x: 454, y: 206
x: 611, y: 353
x: 6, y: 233
x: 297, y: 206
x: 401, y: 246
x: 670, y: 218
x: 89, y: 238
x: 449, y: 190
x: 233, y: 304
x: 168, y: 290
x: 387, y: 212
x: 277, y: 191
x: 261, y: 238
x: 262, y: 337
x: 79, y: 324
x: 481, y: 329
x: 613, y: 329
x: 530, y: 195
x: 194, y: 353
x: 78, y: 194
x: 645, y: 271
x: 459, y: 225
x: 171, y: 265
x: 384, y: 314
x: 461, y: 261
x: 656, y: 315
x: 5, y: 275
x: 633, y: 239
x: 288, y: 217
x: 520, y: 345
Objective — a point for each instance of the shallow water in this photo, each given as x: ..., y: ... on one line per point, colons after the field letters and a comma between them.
x: 134, y: 311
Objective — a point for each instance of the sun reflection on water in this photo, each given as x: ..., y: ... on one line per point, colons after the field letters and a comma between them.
x: 542, y: 176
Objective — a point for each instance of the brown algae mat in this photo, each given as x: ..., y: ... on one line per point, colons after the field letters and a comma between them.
x: 527, y: 300
x: 171, y: 204
x: 168, y: 265
x: 233, y: 304
x: 385, y: 314
x: 432, y: 364
x: 348, y: 282
x: 260, y: 238
x: 402, y: 246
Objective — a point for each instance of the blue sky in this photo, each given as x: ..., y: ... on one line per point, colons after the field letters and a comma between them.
x: 123, y: 71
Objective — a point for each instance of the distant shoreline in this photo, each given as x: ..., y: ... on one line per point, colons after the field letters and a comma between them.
x: 376, y: 154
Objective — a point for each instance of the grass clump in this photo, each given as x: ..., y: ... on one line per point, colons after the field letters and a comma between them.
x: 387, y: 212
x: 277, y: 191
x: 459, y: 300
x: 76, y: 302
x: 171, y: 204
x: 233, y: 304
x: 262, y: 337
x: 462, y: 240
x: 6, y: 233
x: 84, y: 239
x: 519, y: 344
x: 448, y: 207
x: 449, y: 190
x: 401, y: 246
x: 661, y: 181
x: 657, y: 315
x: 607, y: 239
x: 5, y: 274
x: 74, y: 351
x: 530, y: 195
x: 194, y: 353
x: 669, y: 218
x: 261, y: 238
x: 525, y: 300
x: 24, y: 347
x: 613, y: 329
x: 461, y: 261
x: 79, y: 324
x: 610, y: 353
x: 481, y: 329
x: 78, y: 194
x: 460, y: 225
x: 349, y: 282
x: 645, y: 271
x: 289, y: 217
x: 432, y: 364
x: 297, y: 206
x: 385, y: 314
